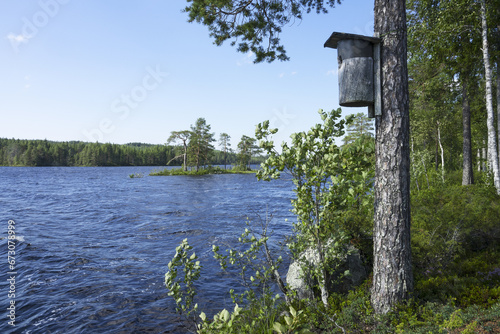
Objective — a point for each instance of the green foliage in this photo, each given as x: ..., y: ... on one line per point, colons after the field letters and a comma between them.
x: 254, y: 262
x: 292, y: 323
x: 242, y: 169
x: 470, y: 328
x: 182, y: 289
x: 360, y: 127
x: 184, y: 137
x: 355, y: 315
x: 222, y: 323
x: 254, y: 318
x: 204, y: 171
x: 255, y: 25
x: 455, y: 321
x: 452, y: 225
x: 225, y: 145
x: 328, y: 182
x: 462, y: 294
x: 261, y: 308
x: 354, y: 310
x: 246, y: 149
x: 455, y: 247
x: 200, y: 144
x: 458, y: 290
x: 136, y: 175
x: 446, y: 74
x: 14, y: 152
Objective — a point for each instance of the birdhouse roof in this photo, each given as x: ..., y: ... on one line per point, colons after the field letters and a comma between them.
x: 332, y: 42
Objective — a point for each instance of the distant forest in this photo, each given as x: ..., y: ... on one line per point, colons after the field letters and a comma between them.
x: 16, y: 152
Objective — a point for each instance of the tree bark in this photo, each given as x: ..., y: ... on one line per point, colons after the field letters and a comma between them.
x: 413, y: 164
x: 467, y: 174
x: 478, y: 160
x: 392, y: 270
x: 498, y: 104
x: 185, y: 156
x: 492, y: 138
x: 484, y: 157
x: 436, y: 154
x: 442, y: 152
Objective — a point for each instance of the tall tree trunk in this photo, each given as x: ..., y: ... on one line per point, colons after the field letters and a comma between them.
x: 492, y: 138
x: 185, y: 157
x: 225, y: 157
x: 484, y: 157
x: 436, y: 154
x: 425, y: 171
x: 498, y: 104
x: 442, y: 152
x: 467, y: 174
x: 392, y: 270
x: 478, y: 160
x: 413, y: 164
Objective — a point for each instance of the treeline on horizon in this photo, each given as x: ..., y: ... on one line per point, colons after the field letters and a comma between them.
x: 31, y: 153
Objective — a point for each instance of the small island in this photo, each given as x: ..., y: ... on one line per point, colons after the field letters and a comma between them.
x: 195, y: 150
x: 204, y: 171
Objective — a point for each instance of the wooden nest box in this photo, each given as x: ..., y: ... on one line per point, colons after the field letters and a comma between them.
x: 359, y: 71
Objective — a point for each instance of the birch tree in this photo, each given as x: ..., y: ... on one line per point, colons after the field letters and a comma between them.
x: 492, y: 138
x: 444, y: 34
x: 498, y: 106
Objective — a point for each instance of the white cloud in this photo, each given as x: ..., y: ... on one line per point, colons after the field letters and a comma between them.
x: 247, y: 59
x: 17, y: 38
x: 283, y: 74
x: 333, y: 72
x: 28, y: 83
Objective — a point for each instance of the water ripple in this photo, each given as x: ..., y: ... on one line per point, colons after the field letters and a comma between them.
x: 93, y: 245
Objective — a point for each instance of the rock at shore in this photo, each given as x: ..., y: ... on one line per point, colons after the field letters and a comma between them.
x: 304, y: 284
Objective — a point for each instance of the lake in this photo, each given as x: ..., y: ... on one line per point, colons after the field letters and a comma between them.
x: 92, y: 245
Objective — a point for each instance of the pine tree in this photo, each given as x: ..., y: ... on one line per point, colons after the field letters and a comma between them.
x: 257, y: 25
x: 224, y: 144
x: 200, y: 143
x: 361, y: 127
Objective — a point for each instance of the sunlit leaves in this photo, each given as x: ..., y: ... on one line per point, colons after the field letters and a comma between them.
x: 328, y: 180
x: 182, y: 288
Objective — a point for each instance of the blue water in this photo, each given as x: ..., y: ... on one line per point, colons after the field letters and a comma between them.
x: 92, y: 245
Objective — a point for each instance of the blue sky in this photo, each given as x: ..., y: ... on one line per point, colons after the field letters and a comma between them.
x: 133, y: 71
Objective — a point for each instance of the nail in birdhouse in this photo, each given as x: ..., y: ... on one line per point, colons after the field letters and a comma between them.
x: 359, y: 70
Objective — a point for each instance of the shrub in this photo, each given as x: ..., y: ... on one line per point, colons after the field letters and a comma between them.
x: 452, y: 224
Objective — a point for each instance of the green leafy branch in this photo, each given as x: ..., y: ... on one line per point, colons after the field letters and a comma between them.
x: 182, y: 288
x: 328, y: 180
x: 256, y: 265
